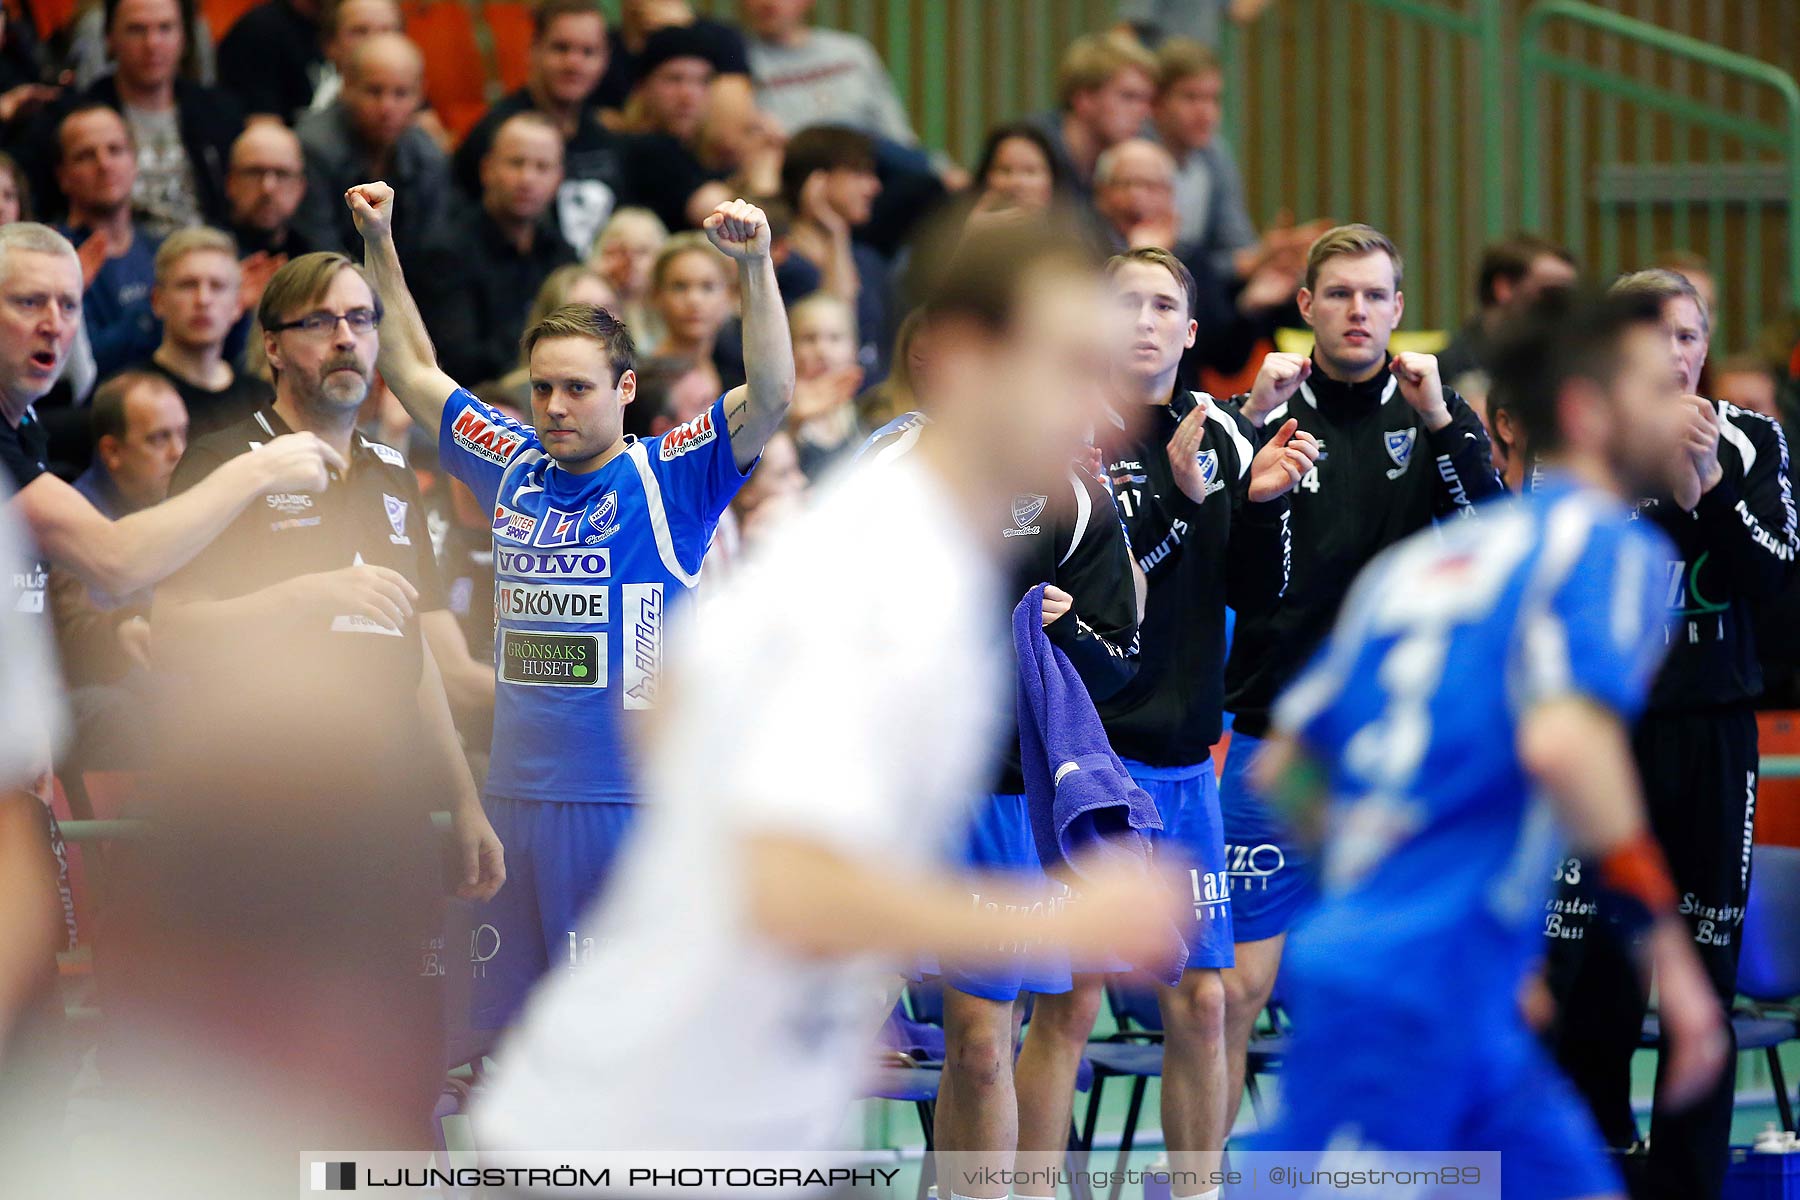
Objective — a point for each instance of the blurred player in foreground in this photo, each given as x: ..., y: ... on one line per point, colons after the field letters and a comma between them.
x: 830, y: 719
x: 1470, y: 711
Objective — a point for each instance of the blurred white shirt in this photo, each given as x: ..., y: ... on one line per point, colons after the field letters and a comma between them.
x: 32, y: 717
x: 845, y: 684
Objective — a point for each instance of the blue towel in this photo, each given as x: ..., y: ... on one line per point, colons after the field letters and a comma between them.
x: 1082, y: 802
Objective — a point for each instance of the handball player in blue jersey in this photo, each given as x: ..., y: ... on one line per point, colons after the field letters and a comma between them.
x: 1469, y: 713
x: 597, y: 538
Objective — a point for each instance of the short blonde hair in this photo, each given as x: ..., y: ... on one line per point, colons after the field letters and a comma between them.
x: 690, y: 241
x: 624, y: 219
x: 1351, y: 241
x: 1094, y: 58
x: 36, y: 237
x: 198, y: 239
x: 1661, y: 285
x: 823, y: 302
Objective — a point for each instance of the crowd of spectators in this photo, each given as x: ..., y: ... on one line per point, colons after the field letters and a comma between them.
x: 186, y: 175
x: 187, y: 168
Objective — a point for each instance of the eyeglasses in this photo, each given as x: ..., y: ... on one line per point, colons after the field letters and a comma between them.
x: 321, y: 321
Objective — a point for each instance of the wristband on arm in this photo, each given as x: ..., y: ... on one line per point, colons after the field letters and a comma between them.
x: 1634, y: 878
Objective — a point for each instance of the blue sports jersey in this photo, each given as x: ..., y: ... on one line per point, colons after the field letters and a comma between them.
x: 1441, y: 854
x: 584, y: 566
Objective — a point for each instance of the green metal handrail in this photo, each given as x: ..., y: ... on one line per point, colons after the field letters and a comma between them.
x: 1536, y: 62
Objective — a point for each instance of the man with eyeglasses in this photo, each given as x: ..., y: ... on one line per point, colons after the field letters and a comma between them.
x: 264, y: 187
x: 315, y: 595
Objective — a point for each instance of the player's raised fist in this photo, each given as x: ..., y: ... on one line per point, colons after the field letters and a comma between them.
x: 739, y: 229
x: 372, y: 207
x: 1280, y: 377
x: 1421, y: 388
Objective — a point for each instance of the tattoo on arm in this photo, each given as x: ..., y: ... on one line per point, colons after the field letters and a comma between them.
x: 736, y: 414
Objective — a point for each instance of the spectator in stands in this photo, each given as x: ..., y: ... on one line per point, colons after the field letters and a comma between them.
x: 601, y: 169
x: 1752, y: 384
x: 774, y: 491
x: 1513, y: 274
x: 806, y: 75
x: 368, y: 133
x: 572, y: 283
x: 690, y: 289
x: 199, y: 298
x: 264, y: 188
x: 347, y: 24
x: 141, y: 430
x: 826, y: 380
x: 89, y: 55
x: 486, y: 266
x: 15, y: 191
x: 23, y: 92
x: 182, y: 130
x: 1200, y: 20
x: 1134, y: 194
x: 828, y: 183
x: 1209, y: 191
x: 1105, y: 87
x: 638, y: 20
x: 1018, y: 169
x: 624, y: 254
x: 674, y: 75
x: 96, y: 169
x: 738, y: 143
x: 271, y: 57
x: 671, y: 392
x: 899, y: 392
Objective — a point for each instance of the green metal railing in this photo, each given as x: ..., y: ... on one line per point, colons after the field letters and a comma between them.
x: 1356, y: 110
x: 1622, y: 171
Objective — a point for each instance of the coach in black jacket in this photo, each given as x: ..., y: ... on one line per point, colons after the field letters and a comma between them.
x: 1398, y: 450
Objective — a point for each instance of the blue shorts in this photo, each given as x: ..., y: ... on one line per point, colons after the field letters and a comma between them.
x: 558, y: 855
x: 1272, y: 877
x: 1187, y: 800
x: 1000, y: 842
x: 1385, y: 1083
